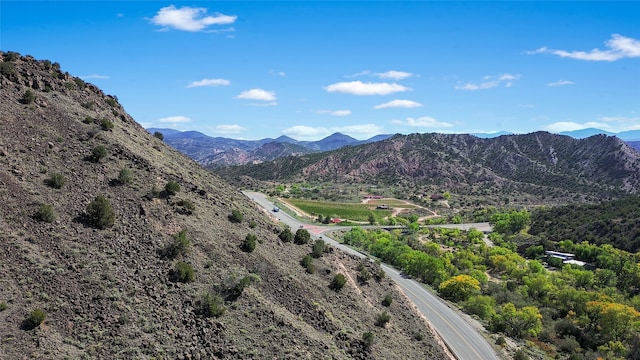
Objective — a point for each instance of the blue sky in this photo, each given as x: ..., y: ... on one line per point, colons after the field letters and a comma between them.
x: 252, y: 70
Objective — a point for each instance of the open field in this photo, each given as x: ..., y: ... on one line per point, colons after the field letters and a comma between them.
x: 355, y: 212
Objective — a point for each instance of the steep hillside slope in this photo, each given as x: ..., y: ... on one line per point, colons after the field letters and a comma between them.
x: 540, y: 164
x: 113, y: 289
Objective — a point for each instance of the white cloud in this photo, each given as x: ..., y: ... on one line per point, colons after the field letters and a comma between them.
x: 189, y: 18
x: 94, y: 76
x: 407, y: 104
x: 209, y: 82
x: 619, y: 47
x: 424, y: 121
x: 174, y: 119
x: 257, y: 94
x: 490, y: 82
x: 394, y: 75
x: 302, y: 132
x: 277, y: 73
x: 229, y: 129
x: 335, y: 112
x: 560, y: 83
x: 362, y: 73
x: 360, y: 88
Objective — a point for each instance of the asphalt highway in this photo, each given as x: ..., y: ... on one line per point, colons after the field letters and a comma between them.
x: 464, y: 341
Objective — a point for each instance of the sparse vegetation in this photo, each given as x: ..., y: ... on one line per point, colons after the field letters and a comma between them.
x: 171, y: 187
x: 35, y: 318
x: 56, y: 180
x: 125, y: 176
x: 183, y: 272
x: 100, y: 213
x: 307, y: 263
x: 178, y: 247
x: 185, y: 206
x: 236, y: 216
x: 388, y: 299
x: 249, y: 243
x: 111, y: 101
x: 338, y: 282
x: 211, y: 305
x: 28, y: 97
x: 106, y: 124
x: 382, y: 319
x: 3, y: 306
x: 98, y: 153
x: 368, y: 338
x: 45, y: 213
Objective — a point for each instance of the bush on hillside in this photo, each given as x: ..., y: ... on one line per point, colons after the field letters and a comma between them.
x: 302, y: 237
x: 249, y: 243
x: 35, y: 318
x: 338, y: 282
x: 158, y: 135
x: 211, y: 305
x: 382, y: 319
x: 45, y: 213
x: 100, y: 213
x: 98, y: 153
x: 56, y: 180
x: 125, y: 176
x: 182, y: 272
x: 172, y: 187
x: 179, y: 246
x: 28, y: 97
x: 236, y: 216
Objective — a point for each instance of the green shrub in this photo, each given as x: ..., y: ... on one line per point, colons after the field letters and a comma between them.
x: 3, y: 306
x: 35, y: 318
x: 80, y: 83
x: 100, y: 213
x: 318, y: 248
x: 88, y: 120
x: 249, y: 243
x: 182, y: 272
x: 286, y: 235
x: 7, y: 69
x: 368, y: 338
x: 338, y: 282
x: 28, y: 97
x: 11, y: 56
x: 46, y: 213
x: 364, y: 276
x: 382, y: 319
x: 125, y: 176
x: 388, y: 299
x: 56, y: 180
x: 186, y: 206
x: 302, y: 237
x: 307, y: 263
x: 106, y: 124
x: 520, y: 355
x: 172, y: 187
x: 211, y: 305
x: 179, y: 246
x: 98, y: 153
x: 158, y: 135
x: 111, y: 101
x: 236, y: 216
x: 252, y: 224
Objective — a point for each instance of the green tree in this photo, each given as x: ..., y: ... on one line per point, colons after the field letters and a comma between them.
x: 319, y: 247
x: 171, y: 187
x: 100, y: 213
x: 459, y: 288
x: 519, y: 323
x: 158, y: 135
x: 613, y: 321
x: 286, y: 235
x: 372, y: 219
x: 302, y: 237
x: 249, y: 243
x: 481, y: 305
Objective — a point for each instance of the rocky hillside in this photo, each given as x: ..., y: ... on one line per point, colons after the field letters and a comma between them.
x: 540, y: 164
x: 115, y: 246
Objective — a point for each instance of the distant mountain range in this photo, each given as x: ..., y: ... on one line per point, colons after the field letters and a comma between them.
x: 540, y: 164
x: 220, y: 151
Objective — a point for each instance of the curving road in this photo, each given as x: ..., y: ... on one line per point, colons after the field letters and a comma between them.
x: 464, y: 341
